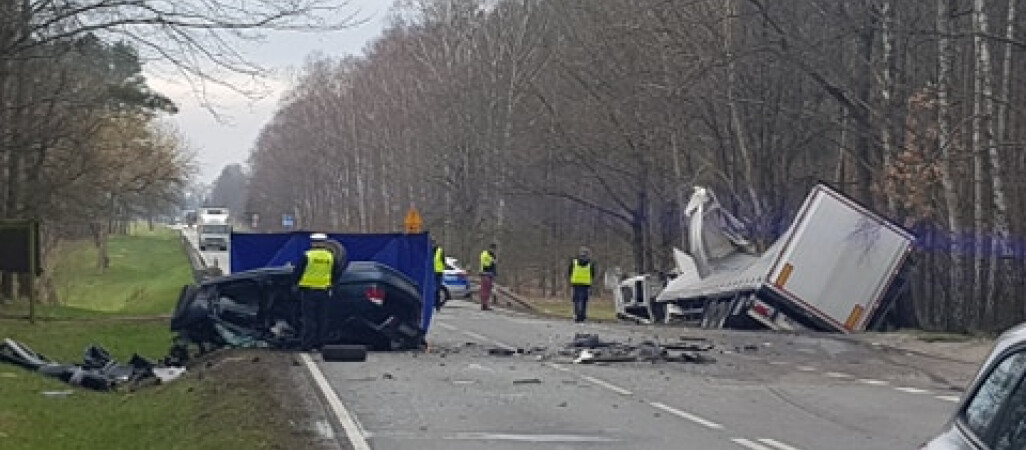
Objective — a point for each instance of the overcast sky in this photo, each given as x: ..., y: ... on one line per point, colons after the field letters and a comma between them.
x: 219, y: 143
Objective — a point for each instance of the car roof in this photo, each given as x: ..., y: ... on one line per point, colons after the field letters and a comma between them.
x: 1006, y: 340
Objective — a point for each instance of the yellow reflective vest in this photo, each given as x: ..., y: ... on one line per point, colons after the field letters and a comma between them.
x: 581, y: 275
x: 439, y: 260
x: 317, y: 274
x: 487, y: 262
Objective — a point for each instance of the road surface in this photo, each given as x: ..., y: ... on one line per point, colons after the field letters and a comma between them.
x: 764, y: 392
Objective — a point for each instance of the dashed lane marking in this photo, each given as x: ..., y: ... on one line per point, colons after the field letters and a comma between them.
x: 777, y: 444
x: 557, y: 367
x: 912, y: 390
x: 688, y: 416
x: 749, y: 444
x: 446, y: 326
x: 837, y: 375
x: 949, y: 398
x: 873, y: 382
x: 607, y: 385
x: 806, y: 368
x: 487, y: 339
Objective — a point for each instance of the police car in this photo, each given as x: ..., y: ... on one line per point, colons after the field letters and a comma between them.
x: 455, y: 281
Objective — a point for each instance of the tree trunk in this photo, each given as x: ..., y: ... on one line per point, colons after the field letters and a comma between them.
x: 1001, y: 242
x: 949, y: 170
x: 887, y: 94
x: 982, y: 144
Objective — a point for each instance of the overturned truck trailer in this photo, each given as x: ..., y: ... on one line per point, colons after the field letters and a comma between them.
x: 832, y: 270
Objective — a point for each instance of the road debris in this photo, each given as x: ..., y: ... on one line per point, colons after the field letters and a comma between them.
x: 527, y: 381
x: 586, y: 348
x: 98, y: 370
x: 594, y: 350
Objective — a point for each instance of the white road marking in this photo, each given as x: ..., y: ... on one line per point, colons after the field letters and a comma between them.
x: 537, y: 438
x: 912, y: 390
x: 687, y: 415
x: 446, y: 326
x: 779, y: 363
x: 873, y: 382
x: 354, y: 432
x: 949, y: 398
x: 557, y: 367
x: 749, y: 444
x: 837, y: 375
x: 607, y: 385
x: 484, y: 338
x: 777, y: 444
x: 476, y: 336
x: 806, y: 368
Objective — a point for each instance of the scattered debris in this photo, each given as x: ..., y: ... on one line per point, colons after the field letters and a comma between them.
x: 586, y: 348
x: 501, y: 351
x: 98, y: 370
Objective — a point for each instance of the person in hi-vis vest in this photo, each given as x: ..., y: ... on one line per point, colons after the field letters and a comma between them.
x: 439, y: 264
x: 581, y: 273
x: 487, y: 273
x: 313, y: 278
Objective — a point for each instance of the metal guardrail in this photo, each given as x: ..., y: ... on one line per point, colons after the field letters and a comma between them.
x: 200, y: 270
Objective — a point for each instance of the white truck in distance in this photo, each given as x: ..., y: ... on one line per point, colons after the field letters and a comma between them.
x: 832, y: 270
x: 214, y: 229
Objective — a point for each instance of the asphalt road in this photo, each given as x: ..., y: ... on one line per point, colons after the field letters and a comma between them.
x: 764, y: 392
x: 212, y: 258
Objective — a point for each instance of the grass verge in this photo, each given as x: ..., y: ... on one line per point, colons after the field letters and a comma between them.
x: 227, y: 406
x: 599, y: 309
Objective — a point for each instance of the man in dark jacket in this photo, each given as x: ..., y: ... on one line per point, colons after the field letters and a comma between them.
x: 581, y: 273
x: 313, y: 279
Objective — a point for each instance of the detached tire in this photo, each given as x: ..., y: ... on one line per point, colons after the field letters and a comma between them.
x: 344, y: 353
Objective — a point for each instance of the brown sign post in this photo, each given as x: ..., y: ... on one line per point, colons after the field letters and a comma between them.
x: 19, y: 245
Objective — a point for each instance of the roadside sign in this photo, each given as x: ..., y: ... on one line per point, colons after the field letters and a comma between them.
x: 19, y: 243
x: 413, y: 223
x: 288, y: 221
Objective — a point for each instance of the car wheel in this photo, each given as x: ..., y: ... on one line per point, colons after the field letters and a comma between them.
x: 344, y: 353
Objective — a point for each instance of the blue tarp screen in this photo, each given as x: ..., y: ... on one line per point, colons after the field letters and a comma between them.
x: 407, y: 253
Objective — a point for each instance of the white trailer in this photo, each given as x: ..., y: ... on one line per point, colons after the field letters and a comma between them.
x: 831, y: 270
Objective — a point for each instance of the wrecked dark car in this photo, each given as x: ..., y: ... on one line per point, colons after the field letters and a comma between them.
x: 372, y: 305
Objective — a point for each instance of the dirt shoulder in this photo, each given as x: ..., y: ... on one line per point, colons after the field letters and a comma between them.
x: 280, y: 396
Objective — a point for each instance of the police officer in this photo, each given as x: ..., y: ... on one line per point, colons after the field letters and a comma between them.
x: 581, y: 272
x: 439, y: 275
x: 487, y: 273
x: 313, y: 278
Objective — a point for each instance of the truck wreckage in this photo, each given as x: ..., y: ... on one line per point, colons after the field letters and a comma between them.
x: 833, y: 269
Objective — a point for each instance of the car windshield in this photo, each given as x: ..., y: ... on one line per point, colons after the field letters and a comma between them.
x: 216, y: 229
